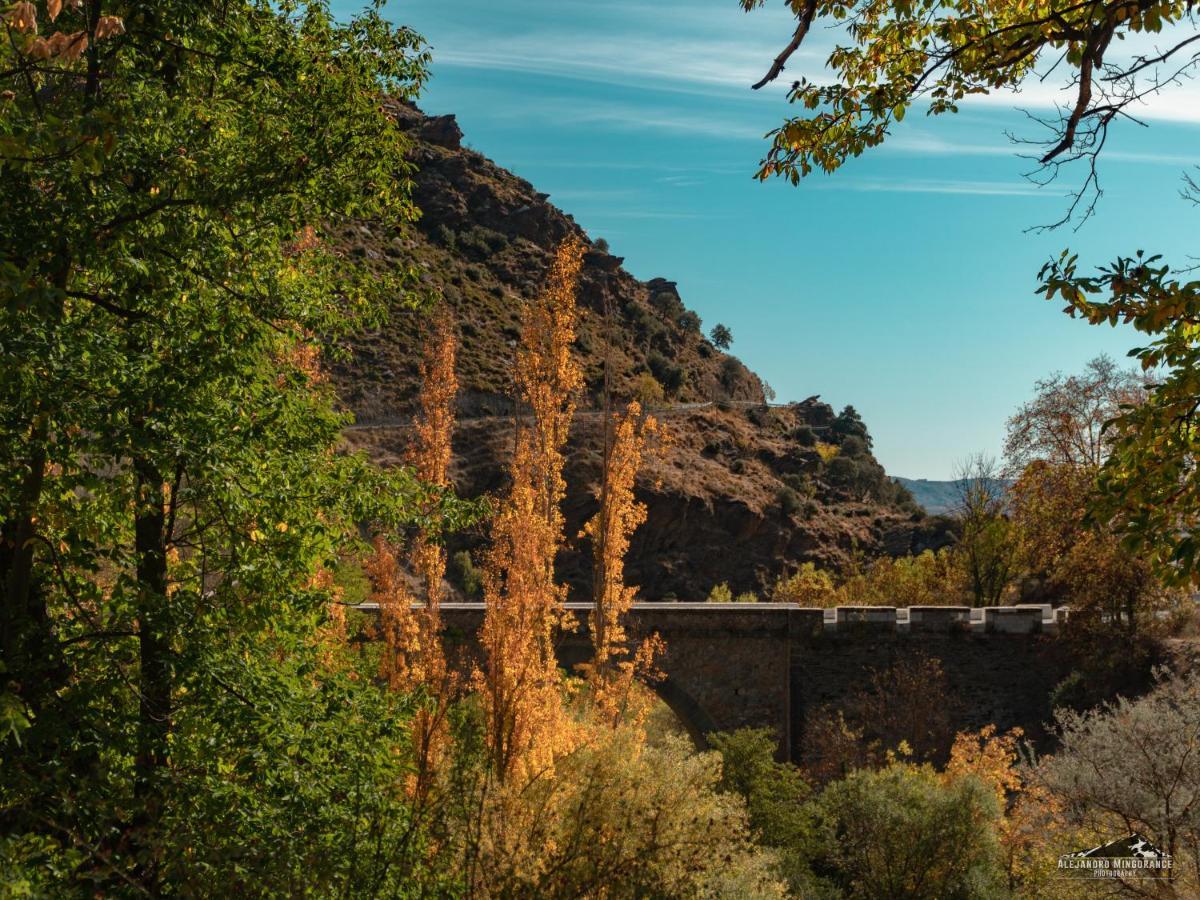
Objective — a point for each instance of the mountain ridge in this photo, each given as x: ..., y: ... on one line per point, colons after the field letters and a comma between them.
x: 742, y: 493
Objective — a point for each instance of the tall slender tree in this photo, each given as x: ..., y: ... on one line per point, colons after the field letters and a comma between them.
x: 613, y: 666
x: 521, y: 684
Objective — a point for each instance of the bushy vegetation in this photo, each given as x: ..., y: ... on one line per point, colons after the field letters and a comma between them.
x: 883, y: 825
x: 669, y: 375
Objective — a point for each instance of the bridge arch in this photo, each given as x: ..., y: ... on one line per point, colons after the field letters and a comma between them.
x: 691, y: 715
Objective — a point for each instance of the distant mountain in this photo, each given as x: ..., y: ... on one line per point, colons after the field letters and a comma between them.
x: 942, y: 497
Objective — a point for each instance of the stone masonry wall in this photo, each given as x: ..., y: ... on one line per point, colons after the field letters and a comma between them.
x: 773, y: 665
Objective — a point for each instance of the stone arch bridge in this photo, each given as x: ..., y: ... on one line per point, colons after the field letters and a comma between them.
x: 729, y: 665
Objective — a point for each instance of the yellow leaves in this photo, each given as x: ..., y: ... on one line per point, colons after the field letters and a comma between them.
x: 68, y: 47
x: 22, y: 18
x: 990, y: 758
x: 38, y: 48
x: 611, y: 678
x: 109, y: 26
x: 826, y: 451
x: 281, y: 527
x: 527, y: 724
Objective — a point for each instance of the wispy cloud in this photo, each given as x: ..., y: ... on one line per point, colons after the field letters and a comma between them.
x: 939, y: 186
x: 924, y: 144
x: 619, y: 214
x: 632, y: 116
x: 720, y: 52
x: 699, y: 66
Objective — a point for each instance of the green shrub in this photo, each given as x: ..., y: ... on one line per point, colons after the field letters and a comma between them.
x: 732, y: 371
x: 721, y: 336
x: 646, y: 390
x: 849, y: 423
x: 667, y: 302
x: 905, y: 832
x: 666, y: 373
x: 789, y: 501
x: 842, y: 471
x: 804, y: 436
x: 470, y: 579
x: 479, y: 242
x: 853, y: 447
x: 775, y: 795
x: 446, y: 237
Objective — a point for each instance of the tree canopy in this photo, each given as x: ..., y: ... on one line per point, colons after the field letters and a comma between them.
x: 893, y: 55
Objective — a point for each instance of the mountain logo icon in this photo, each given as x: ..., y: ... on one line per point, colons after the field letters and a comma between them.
x: 1128, y: 857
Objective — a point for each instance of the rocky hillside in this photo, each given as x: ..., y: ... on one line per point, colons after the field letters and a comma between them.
x: 742, y: 492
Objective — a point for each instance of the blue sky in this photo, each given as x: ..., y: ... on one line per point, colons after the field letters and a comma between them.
x: 903, y: 284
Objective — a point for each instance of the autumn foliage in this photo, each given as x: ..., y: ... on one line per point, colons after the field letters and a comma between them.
x: 614, y: 667
x: 520, y: 681
x: 413, y: 657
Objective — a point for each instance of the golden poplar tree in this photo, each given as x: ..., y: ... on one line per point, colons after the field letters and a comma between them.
x: 613, y: 667
x: 430, y: 457
x: 413, y: 658
x: 430, y: 452
x: 398, y: 666
x: 520, y: 683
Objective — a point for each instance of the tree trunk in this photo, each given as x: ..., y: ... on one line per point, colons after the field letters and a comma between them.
x: 155, y: 630
x: 26, y: 639
x: 32, y: 662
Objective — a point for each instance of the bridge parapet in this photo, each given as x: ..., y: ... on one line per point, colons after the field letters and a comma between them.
x: 939, y: 618
x: 876, y: 618
x: 781, y: 619
x: 1014, y: 620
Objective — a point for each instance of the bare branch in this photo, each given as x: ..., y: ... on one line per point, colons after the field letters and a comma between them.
x: 810, y: 9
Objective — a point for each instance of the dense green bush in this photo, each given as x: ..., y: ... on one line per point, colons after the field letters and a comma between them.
x: 666, y: 373
x: 667, y: 303
x: 804, y: 436
x: 853, y: 447
x: 789, y: 501
x: 732, y: 371
x: 905, y: 833
x: 479, y: 242
x: 775, y: 794
x: 469, y: 578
